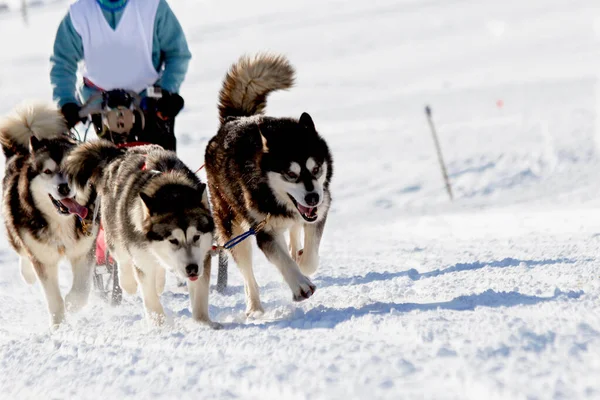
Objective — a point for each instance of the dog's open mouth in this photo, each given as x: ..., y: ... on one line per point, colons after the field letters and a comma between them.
x: 308, y: 213
x: 69, y: 206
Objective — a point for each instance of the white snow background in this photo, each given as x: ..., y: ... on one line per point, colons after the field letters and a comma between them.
x: 495, y: 295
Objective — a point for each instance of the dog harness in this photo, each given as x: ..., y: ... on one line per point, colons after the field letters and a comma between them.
x: 118, y: 58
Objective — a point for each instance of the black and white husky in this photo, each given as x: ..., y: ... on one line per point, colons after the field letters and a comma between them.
x: 271, y: 172
x: 156, y: 217
x: 44, y: 219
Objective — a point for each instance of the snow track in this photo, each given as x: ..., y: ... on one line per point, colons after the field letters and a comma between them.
x: 493, y: 296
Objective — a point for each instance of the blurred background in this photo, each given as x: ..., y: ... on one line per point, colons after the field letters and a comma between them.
x: 512, y: 86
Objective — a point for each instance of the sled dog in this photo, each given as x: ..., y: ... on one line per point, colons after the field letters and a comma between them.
x: 270, y: 173
x: 44, y: 219
x: 156, y: 217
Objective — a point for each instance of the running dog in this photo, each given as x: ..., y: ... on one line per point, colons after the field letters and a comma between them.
x: 156, y: 217
x: 268, y: 174
x: 44, y: 219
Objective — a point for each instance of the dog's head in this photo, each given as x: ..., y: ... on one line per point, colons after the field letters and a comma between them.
x: 49, y: 179
x: 298, y: 164
x: 178, y: 223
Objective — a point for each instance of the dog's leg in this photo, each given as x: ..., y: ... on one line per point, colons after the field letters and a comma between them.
x: 48, y: 276
x: 295, y: 243
x: 274, y: 248
x: 27, y: 271
x: 308, y: 260
x: 82, y: 268
x: 147, y: 280
x: 242, y: 255
x: 126, y: 276
x: 199, y: 290
x: 161, y: 280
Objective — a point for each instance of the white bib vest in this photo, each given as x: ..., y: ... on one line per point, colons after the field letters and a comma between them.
x: 119, y: 58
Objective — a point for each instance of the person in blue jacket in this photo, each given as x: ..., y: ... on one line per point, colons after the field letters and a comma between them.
x: 123, y: 44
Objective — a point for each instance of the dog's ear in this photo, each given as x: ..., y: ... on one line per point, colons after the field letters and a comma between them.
x: 307, y: 122
x: 265, y: 144
x: 34, y: 144
x: 148, y: 201
x: 204, y: 195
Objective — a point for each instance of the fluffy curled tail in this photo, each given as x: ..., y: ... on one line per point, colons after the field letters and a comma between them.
x: 41, y: 120
x: 249, y: 81
x: 87, y: 162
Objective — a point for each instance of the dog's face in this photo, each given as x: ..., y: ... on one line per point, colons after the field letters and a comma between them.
x: 299, y: 169
x: 180, y: 232
x: 47, y: 156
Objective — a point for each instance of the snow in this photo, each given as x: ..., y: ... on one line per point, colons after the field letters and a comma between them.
x: 495, y: 295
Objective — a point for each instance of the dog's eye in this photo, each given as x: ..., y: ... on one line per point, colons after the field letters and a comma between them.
x: 291, y: 175
x: 174, y: 241
x: 316, y: 170
x: 48, y: 172
x: 196, y: 238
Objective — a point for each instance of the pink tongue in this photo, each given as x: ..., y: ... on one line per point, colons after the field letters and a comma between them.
x: 74, y: 207
x: 305, y: 210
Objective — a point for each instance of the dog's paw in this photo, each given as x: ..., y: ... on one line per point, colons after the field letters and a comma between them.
x: 56, y: 320
x: 255, y: 313
x: 156, y: 319
x: 75, y: 302
x: 308, y: 263
x: 304, y: 290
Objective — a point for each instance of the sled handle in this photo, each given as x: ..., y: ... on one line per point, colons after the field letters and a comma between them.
x: 93, y: 106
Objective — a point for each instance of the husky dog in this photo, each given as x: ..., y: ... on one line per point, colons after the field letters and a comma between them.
x: 44, y: 220
x: 270, y: 173
x: 156, y: 217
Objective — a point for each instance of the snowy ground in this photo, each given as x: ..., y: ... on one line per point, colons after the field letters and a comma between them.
x: 493, y: 296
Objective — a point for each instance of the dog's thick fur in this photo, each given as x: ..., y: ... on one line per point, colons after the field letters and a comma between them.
x: 41, y: 230
x: 262, y: 168
x: 156, y: 217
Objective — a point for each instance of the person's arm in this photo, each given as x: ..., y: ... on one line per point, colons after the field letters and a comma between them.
x: 173, y: 48
x: 68, y: 51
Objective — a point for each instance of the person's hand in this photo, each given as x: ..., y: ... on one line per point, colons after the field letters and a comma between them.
x: 169, y: 105
x: 71, y: 113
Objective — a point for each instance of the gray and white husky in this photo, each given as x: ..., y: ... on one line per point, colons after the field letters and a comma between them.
x: 45, y: 221
x: 156, y: 217
x: 271, y: 172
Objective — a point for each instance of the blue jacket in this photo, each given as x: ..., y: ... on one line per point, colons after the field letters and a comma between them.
x: 169, y: 49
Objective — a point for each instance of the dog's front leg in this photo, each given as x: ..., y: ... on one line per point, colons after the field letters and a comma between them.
x: 27, y: 270
x: 161, y: 280
x: 82, y: 268
x: 308, y: 261
x: 295, y: 242
x: 126, y: 275
x: 199, y: 290
x: 274, y: 247
x: 48, y: 276
x: 242, y: 255
x: 147, y: 281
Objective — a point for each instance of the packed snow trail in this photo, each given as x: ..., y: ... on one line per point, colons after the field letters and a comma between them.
x: 495, y: 295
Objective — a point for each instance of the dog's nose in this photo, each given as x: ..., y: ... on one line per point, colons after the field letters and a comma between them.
x: 63, y: 189
x: 311, y: 199
x: 192, y: 269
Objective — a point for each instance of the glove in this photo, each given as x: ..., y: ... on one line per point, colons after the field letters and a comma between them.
x: 169, y: 105
x: 71, y: 113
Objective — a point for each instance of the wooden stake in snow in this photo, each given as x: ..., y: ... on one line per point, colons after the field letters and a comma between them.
x: 24, y: 11
x: 439, y: 151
